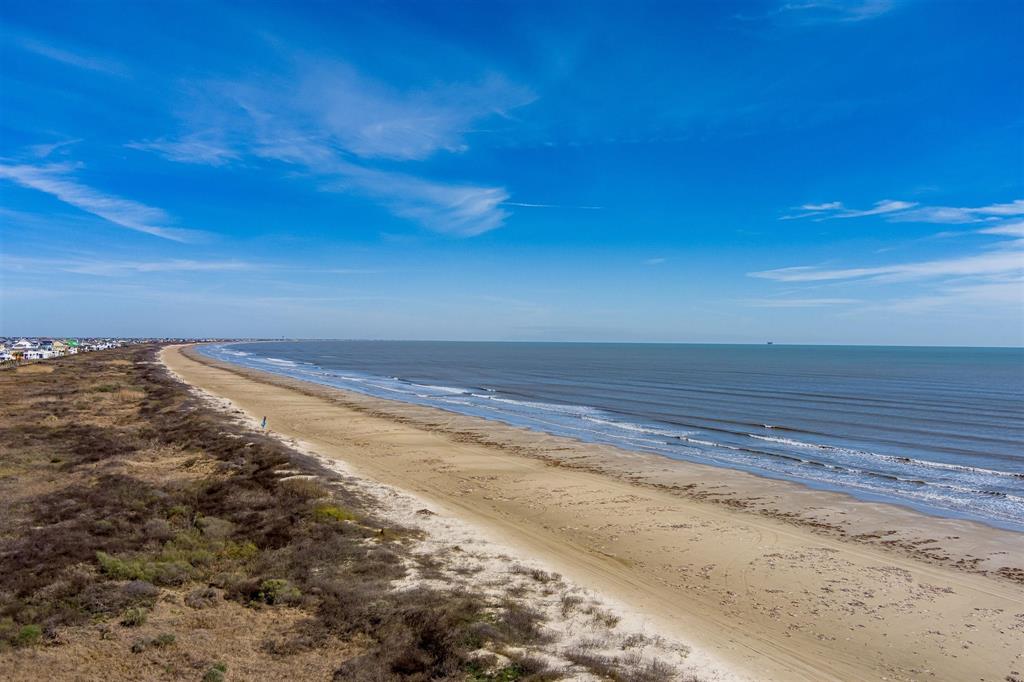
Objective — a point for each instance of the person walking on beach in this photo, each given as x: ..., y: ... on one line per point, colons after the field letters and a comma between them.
x: 263, y: 424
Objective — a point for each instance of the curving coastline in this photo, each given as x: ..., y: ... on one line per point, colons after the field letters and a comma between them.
x: 782, y: 580
x: 945, y: 447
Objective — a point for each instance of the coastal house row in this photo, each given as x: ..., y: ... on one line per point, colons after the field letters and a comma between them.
x: 43, y: 349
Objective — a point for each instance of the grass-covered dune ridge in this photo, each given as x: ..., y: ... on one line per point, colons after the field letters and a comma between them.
x: 150, y: 536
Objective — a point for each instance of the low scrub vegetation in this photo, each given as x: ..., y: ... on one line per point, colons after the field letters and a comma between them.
x: 127, y: 494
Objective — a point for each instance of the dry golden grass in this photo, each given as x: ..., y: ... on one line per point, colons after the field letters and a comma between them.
x: 35, y: 368
x: 129, y: 396
x: 227, y: 633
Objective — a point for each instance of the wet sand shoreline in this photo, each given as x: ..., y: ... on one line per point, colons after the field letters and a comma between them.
x: 785, y: 581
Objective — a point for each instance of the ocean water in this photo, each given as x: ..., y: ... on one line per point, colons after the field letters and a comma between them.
x: 937, y: 429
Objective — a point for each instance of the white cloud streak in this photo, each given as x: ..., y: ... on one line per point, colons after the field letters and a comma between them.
x: 89, y: 264
x: 964, y: 298
x: 811, y: 12
x: 907, y: 211
x: 990, y: 280
x: 115, y: 268
x: 203, y: 149
x: 942, y: 215
x: 459, y: 210
x: 1015, y: 229
x: 57, y: 180
x: 880, y: 208
x: 334, y: 123
x: 372, y: 120
x: 446, y: 208
x: 521, y: 204
x: 75, y: 58
x: 995, y: 263
x: 800, y: 302
x: 44, y: 150
x: 841, y: 10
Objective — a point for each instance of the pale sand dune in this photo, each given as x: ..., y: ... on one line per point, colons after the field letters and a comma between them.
x: 782, y: 582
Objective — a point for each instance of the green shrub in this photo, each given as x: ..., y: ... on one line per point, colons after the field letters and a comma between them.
x: 163, y: 640
x: 279, y: 591
x: 240, y: 551
x: 171, y: 572
x: 173, y: 568
x: 28, y: 635
x: 214, y: 528
x: 133, y: 617
x: 179, y: 510
x: 119, y: 569
x: 187, y: 547
x: 330, y: 512
x: 160, y: 641
x: 216, y: 673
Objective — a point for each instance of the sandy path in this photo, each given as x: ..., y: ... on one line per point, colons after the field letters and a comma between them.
x: 773, y: 598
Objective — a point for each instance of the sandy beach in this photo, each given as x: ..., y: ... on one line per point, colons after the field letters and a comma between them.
x: 779, y: 581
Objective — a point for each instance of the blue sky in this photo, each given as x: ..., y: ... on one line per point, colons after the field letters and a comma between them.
x: 810, y: 171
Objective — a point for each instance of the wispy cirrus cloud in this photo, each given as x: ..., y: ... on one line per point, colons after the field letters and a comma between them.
x: 114, y: 268
x: 800, y: 302
x: 58, y: 180
x: 462, y: 210
x: 1013, y: 208
x: 836, y: 209
x: 354, y: 134
x: 199, y: 148
x: 953, y: 215
x: 816, y: 11
x: 992, y: 278
x: 69, y: 56
x: 830, y: 206
x: 459, y: 210
x: 91, y: 264
x: 1013, y: 229
x: 909, y: 211
x: 520, y: 204
x: 371, y: 119
x: 44, y: 150
x: 995, y: 263
x: 809, y: 12
x: 1003, y: 295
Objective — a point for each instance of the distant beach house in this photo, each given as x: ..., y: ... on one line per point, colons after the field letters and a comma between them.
x: 42, y: 348
x: 23, y: 349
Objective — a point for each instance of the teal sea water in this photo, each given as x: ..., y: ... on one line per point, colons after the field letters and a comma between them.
x: 937, y: 429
